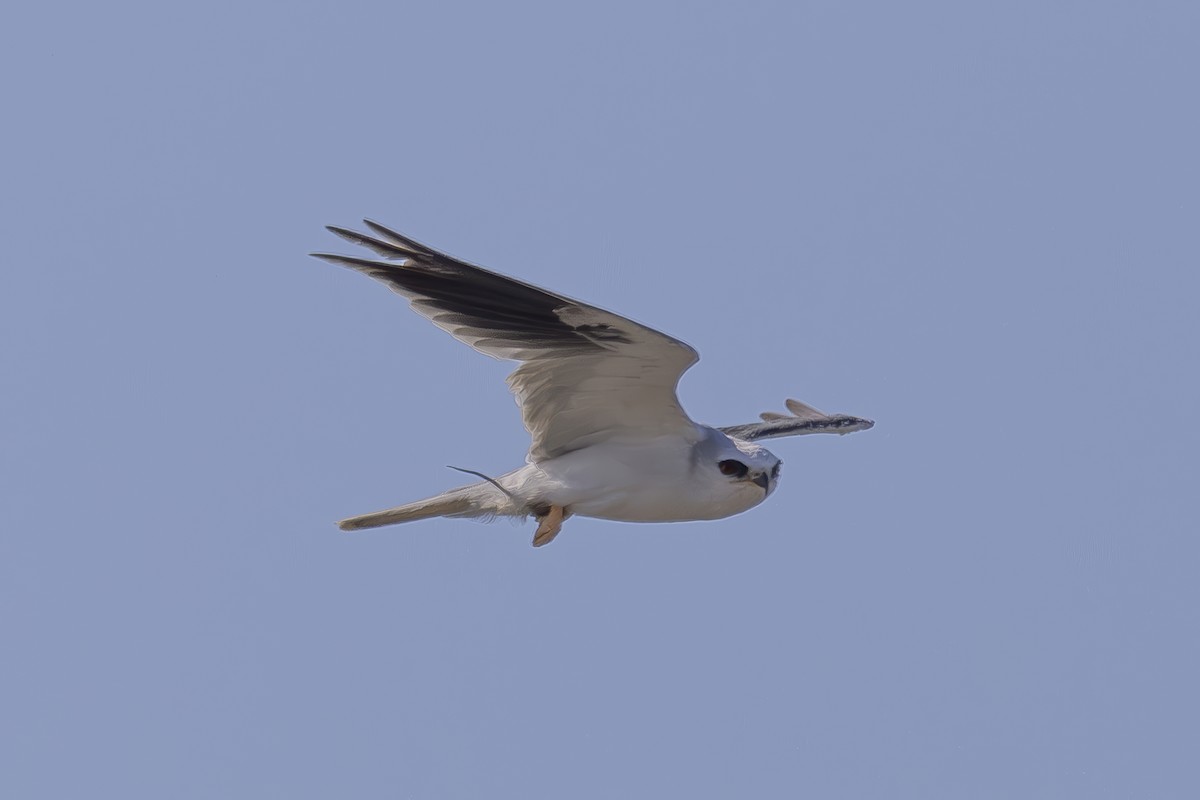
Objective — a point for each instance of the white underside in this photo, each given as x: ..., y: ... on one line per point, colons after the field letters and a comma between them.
x: 635, y: 480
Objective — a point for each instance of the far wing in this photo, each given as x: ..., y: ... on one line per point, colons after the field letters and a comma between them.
x: 803, y: 419
x: 586, y: 374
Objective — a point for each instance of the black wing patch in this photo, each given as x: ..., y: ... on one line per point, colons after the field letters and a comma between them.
x: 503, y: 310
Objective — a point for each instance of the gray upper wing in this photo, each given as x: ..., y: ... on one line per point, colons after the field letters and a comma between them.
x: 586, y: 373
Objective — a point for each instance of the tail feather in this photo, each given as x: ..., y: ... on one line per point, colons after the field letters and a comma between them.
x: 469, y: 501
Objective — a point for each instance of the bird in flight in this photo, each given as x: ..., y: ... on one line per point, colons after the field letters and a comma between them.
x: 597, y: 394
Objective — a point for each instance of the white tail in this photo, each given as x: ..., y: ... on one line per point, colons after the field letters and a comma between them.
x: 479, y: 500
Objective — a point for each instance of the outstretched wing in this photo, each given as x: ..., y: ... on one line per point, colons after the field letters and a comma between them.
x: 586, y: 374
x: 803, y: 419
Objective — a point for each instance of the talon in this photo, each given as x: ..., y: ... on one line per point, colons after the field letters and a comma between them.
x: 548, y: 526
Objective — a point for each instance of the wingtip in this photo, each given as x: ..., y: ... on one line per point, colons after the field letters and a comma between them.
x: 328, y: 257
x: 344, y: 233
x: 385, y: 231
x: 857, y: 424
x: 402, y: 241
x: 801, y: 409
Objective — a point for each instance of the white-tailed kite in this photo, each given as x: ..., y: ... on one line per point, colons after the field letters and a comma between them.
x: 597, y: 393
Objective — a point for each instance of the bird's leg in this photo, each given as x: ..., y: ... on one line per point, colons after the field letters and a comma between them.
x: 549, y: 524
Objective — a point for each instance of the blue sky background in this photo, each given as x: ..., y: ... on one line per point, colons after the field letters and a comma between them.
x: 976, y: 224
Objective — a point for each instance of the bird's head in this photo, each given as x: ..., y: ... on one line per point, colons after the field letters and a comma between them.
x: 743, y: 463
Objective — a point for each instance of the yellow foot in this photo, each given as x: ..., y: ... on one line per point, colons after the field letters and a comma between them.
x: 548, y: 526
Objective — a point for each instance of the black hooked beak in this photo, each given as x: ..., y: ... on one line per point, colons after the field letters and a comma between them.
x: 763, y: 480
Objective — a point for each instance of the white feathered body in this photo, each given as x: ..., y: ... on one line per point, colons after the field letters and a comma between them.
x: 633, y: 479
x: 626, y: 478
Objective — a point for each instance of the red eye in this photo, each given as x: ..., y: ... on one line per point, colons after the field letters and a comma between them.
x: 734, y: 469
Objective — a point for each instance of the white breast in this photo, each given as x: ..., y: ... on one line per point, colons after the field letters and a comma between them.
x: 640, y: 480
